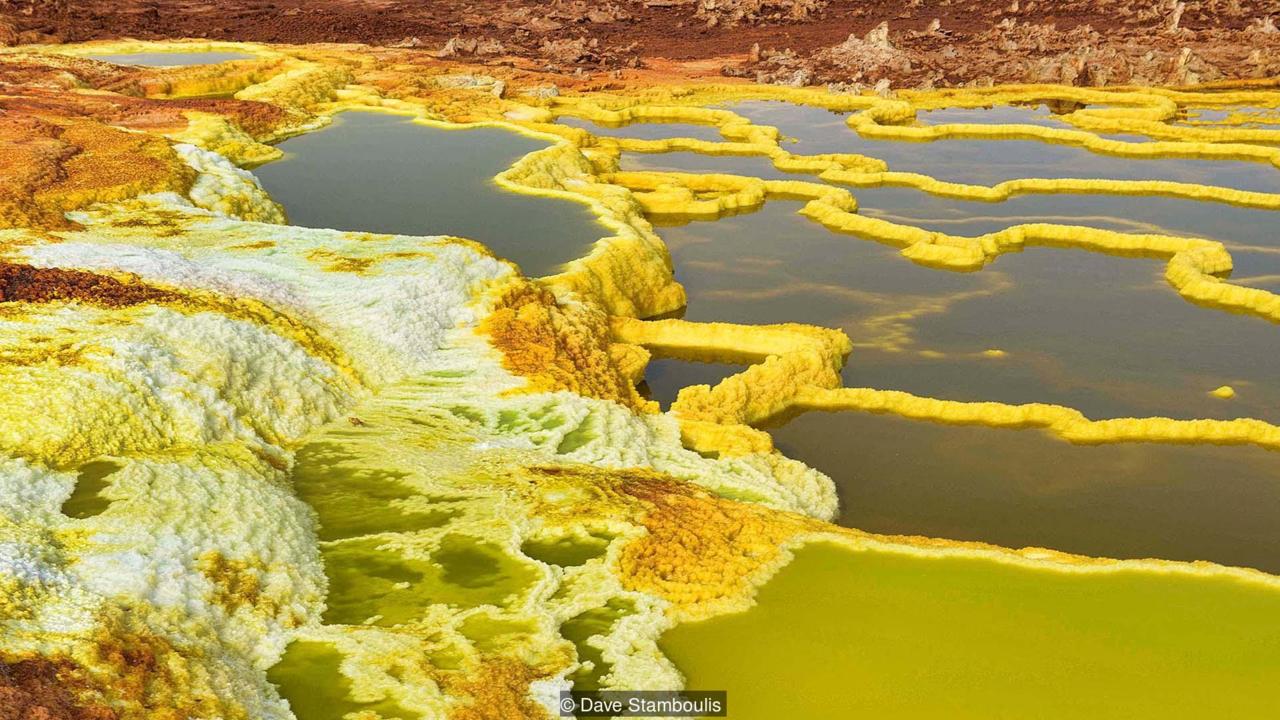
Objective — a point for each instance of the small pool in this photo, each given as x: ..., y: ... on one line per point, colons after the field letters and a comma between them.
x: 645, y: 130
x: 170, y: 59
x: 1102, y: 334
x: 386, y: 174
x: 988, y: 162
x: 877, y: 634
x: 995, y: 115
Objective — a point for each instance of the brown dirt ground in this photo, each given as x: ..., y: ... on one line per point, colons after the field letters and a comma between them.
x: 1085, y: 42
x: 38, y: 689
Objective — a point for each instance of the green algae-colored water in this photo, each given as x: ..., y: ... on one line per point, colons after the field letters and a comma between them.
x: 878, y: 635
x: 566, y: 552
x: 351, y: 500
x: 171, y: 59
x: 389, y: 549
x: 580, y: 629
x: 370, y: 582
x: 383, y: 173
x: 308, y: 676
x: 86, y: 499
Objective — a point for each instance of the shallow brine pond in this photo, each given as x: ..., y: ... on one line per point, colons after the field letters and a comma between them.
x: 878, y: 632
x: 1101, y: 334
x: 384, y: 173
x: 841, y: 635
x: 987, y: 162
x: 163, y: 59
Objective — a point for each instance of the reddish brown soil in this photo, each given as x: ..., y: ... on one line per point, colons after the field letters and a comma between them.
x: 37, y: 689
x: 61, y: 148
x: 1090, y: 42
x: 23, y: 283
x: 50, y: 166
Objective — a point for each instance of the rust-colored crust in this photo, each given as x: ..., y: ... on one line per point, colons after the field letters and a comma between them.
x: 557, y: 347
x: 702, y: 551
x: 23, y: 283
x: 498, y: 689
x: 42, y: 689
x: 1085, y: 42
x: 53, y: 166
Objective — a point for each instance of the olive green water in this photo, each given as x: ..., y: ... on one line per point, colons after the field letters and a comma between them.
x: 580, y: 629
x: 392, y: 547
x: 1101, y: 333
x: 309, y: 677
x: 844, y: 635
x: 1021, y: 488
x: 383, y: 173
x: 664, y: 378
x: 86, y: 499
x: 171, y: 59
x: 371, y: 518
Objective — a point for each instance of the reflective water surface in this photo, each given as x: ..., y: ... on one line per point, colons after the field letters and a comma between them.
x: 851, y: 635
x: 159, y: 59
x: 839, y: 634
x: 383, y: 173
x: 645, y: 130
x: 1020, y: 488
x: 1106, y: 335
x: 1103, y: 334
x: 1039, y: 114
x: 987, y: 162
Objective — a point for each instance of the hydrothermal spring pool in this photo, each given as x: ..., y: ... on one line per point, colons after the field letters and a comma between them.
x: 376, y: 172
x: 910, y: 637
x: 172, y: 59
x: 1100, y: 333
x: 1103, y: 334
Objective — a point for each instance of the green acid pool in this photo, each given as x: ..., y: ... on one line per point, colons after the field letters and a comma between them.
x: 838, y: 635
